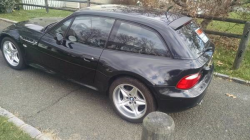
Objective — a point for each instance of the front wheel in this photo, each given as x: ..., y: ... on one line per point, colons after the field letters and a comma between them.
x: 12, y: 53
x: 131, y: 99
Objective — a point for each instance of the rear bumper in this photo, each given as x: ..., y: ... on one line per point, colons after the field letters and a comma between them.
x: 179, y: 104
x: 170, y: 99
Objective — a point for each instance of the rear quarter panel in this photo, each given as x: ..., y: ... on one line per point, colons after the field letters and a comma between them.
x: 151, y: 70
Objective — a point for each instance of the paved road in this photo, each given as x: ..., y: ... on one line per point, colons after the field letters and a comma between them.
x: 75, y: 112
x: 3, y: 25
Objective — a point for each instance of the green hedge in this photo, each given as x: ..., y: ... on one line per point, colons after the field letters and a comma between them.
x: 7, y: 5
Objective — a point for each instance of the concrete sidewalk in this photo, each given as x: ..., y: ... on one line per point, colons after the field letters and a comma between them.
x: 75, y: 112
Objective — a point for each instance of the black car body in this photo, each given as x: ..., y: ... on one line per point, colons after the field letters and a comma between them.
x: 105, y: 56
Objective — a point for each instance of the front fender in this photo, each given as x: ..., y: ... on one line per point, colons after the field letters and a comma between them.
x: 11, y: 32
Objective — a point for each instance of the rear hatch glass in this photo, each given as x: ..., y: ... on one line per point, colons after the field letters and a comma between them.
x: 195, y: 39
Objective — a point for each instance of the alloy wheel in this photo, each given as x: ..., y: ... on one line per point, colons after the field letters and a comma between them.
x: 130, y: 101
x: 11, y: 53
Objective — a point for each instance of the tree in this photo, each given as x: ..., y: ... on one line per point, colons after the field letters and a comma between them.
x: 211, y: 8
x: 214, y: 8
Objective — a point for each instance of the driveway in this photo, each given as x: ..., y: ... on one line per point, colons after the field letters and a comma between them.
x: 75, y: 112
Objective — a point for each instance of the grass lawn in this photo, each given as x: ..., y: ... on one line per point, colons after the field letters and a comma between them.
x: 224, y: 59
x: 226, y: 52
x: 229, y: 27
x: 22, y: 15
x: 224, y: 55
x: 8, y: 131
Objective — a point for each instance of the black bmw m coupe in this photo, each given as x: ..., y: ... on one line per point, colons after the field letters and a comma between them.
x: 143, y: 59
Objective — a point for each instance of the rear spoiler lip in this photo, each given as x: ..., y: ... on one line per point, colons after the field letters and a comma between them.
x: 179, y: 22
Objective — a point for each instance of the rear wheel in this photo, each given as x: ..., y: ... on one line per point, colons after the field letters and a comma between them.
x: 131, y: 99
x: 12, y: 53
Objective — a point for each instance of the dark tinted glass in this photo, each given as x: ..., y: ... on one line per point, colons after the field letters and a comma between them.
x: 61, y: 28
x: 192, y: 39
x: 93, y: 31
x: 138, y: 39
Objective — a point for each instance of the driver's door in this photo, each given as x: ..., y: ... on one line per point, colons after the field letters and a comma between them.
x: 76, y: 53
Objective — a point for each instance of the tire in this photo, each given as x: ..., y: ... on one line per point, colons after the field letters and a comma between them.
x: 130, y: 107
x: 12, y: 54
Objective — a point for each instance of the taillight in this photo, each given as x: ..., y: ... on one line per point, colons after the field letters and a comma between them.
x: 189, y: 81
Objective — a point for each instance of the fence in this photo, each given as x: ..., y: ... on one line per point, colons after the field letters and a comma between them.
x: 245, y: 37
x: 51, y: 3
x: 57, y: 4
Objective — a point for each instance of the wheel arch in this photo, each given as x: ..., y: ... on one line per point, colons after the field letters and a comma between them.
x: 3, y: 35
x: 144, y: 81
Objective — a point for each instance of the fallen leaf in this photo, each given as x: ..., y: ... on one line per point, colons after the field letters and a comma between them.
x: 219, y: 63
x: 231, y: 95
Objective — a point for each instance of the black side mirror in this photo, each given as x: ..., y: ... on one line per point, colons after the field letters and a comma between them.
x: 59, y: 37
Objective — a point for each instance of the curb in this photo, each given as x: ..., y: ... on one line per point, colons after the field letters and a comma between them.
x: 7, y: 20
x: 234, y: 79
x: 223, y: 76
x: 30, y: 130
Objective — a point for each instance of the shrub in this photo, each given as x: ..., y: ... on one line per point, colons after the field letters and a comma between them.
x: 7, y: 5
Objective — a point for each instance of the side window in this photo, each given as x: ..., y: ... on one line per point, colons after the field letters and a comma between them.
x: 90, y: 30
x: 61, y: 29
x: 138, y: 39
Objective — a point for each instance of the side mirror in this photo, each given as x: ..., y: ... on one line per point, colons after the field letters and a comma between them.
x: 59, y: 37
x: 72, y: 38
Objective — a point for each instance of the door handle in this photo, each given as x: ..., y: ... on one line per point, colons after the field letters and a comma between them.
x: 85, y: 59
x: 89, y: 59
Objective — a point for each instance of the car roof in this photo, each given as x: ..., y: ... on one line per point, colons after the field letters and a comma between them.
x: 136, y: 11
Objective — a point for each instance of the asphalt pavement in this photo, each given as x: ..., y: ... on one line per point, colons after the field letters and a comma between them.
x: 75, y: 112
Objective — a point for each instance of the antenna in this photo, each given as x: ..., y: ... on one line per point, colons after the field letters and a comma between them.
x: 169, y: 8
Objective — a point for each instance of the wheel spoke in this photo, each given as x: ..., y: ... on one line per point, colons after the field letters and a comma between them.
x: 11, y: 47
x: 15, y: 52
x: 137, y: 112
x: 6, y: 51
x: 134, y: 109
x: 140, y: 102
x: 124, y: 92
x: 133, y: 91
x: 124, y: 102
x: 16, y: 59
x: 138, y: 98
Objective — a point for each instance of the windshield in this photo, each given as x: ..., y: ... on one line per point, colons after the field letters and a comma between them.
x: 194, y: 38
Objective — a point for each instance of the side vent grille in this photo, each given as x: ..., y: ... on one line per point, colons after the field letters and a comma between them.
x: 29, y: 40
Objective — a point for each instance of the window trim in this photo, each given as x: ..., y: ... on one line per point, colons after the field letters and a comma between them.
x: 117, y: 25
x: 60, y: 24
x: 86, y: 15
